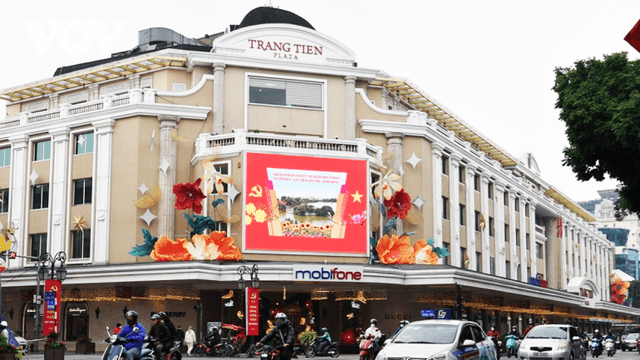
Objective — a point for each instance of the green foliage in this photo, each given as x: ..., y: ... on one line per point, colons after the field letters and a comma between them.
x: 146, y: 248
x: 200, y: 223
x: 53, y: 343
x: 7, y: 348
x: 599, y: 101
x: 306, y: 337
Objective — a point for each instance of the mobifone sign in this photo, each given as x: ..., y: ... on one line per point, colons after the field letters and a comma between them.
x: 325, y: 273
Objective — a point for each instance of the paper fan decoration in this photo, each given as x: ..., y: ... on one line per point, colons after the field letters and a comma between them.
x: 228, y: 296
x: 483, y: 222
x: 147, y: 201
x: 176, y: 137
x: 78, y: 223
x: 467, y: 260
x: 223, y: 212
x: 5, y: 243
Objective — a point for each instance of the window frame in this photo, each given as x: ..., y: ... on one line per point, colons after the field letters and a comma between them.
x: 4, y: 205
x: 5, y: 152
x: 42, y: 197
x: 506, y: 233
x: 477, y: 215
x: 492, y: 230
x: 476, y: 182
x: 539, y: 250
x: 445, y: 208
x: 75, y: 188
x: 31, y: 242
x: 82, y: 247
x: 35, y: 150
x: 221, y: 225
x: 462, y: 174
x: 445, y: 165
x: 86, y: 149
x: 490, y: 190
x: 517, y: 237
x: 463, y: 214
x: 517, y: 204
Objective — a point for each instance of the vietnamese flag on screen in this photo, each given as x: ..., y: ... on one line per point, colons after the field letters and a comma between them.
x: 633, y: 37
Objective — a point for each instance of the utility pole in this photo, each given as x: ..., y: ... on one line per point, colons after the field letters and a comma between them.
x: 459, y: 302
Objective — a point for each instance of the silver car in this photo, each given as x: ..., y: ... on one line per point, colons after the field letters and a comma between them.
x: 552, y: 342
x: 439, y: 340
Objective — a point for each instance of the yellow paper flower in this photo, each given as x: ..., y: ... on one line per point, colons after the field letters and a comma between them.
x: 213, y: 177
x: 386, y: 184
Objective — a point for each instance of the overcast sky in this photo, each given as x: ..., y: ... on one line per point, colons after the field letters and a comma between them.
x: 490, y: 62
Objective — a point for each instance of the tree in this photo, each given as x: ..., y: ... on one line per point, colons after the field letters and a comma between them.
x: 599, y: 101
x: 634, y: 294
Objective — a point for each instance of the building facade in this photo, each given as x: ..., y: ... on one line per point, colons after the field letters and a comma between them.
x: 281, y: 117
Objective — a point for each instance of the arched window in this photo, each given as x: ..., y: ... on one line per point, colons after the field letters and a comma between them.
x: 77, y: 320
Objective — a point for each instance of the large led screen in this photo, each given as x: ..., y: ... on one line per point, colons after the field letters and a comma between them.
x: 305, y: 204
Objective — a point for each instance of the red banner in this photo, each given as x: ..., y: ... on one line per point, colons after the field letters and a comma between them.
x: 306, y: 204
x: 253, y: 311
x: 52, y: 293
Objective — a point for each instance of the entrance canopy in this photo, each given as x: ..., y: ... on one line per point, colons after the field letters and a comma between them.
x: 584, y: 286
x: 623, y: 275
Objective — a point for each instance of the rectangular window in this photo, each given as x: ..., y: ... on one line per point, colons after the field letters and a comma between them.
x: 492, y: 230
x: 461, y: 174
x: 5, y: 156
x: 285, y: 92
x: 40, y: 199
x: 517, y: 205
x: 42, y: 150
x: 478, y: 261
x: 492, y: 265
x: 539, y: 251
x: 84, y: 143
x: 506, y: 199
x: 517, y: 237
x: 490, y: 190
x: 462, y: 214
x: 506, y: 232
x: 4, y: 205
x: 445, y: 260
x: 82, y: 191
x: 81, y: 244
x: 526, y: 210
x: 38, y: 245
x: 445, y: 165
x: 222, y: 168
x: 507, y: 268
x: 477, y: 221
x: 445, y: 208
x: 463, y: 252
x: 527, y: 241
x: 476, y: 182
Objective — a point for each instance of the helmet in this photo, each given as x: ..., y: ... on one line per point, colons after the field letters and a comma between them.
x: 596, y: 331
x: 4, y: 323
x: 324, y: 329
x: 513, y: 328
x: 281, y: 316
x: 530, y: 321
x: 374, y: 321
x: 155, y: 317
x: 134, y: 317
x: 162, y: 313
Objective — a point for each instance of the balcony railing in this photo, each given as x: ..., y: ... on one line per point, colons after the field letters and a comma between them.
x: 241, y: 140
x: 134, y: 96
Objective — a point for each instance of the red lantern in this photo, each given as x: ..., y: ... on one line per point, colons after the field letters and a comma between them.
x: 348, y: 338
x: 308, y: 305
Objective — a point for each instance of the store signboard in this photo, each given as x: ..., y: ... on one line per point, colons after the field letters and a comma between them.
x: 52, y: 296
x: 253, y: 308
x: 328, y: 273
x: 305, y: 205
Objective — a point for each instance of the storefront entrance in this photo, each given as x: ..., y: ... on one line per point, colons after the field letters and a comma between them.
x: 77, y: 320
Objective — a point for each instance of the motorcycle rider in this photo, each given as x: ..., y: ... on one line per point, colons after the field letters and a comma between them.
x: 375, y: 334
x: 284, y: 334
x: 403, y: 323
x: 493, y: 333
x: 526, y: 331
x: 610, y: 336
x: 514, y: 331
x: 172, y: 330
x: 160, y: 333
x: 4, y: 330
x: 132, y: 340
x: 324, y: 340
x: 598, y: 337
x: 213, y: 338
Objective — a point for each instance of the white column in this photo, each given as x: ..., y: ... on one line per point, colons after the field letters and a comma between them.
x: 166, y: 209
x: 18, y: 192
x: 608, y: 269
x: 436, y: 163
x: 498, y: 207
x: 589, y: 256
x: 576, y: 250
x: 599, y: 269
x: 484, y: 206
x: 471, y: 217
x: 524, y: 261
x: 218, y: 97
x: 570, y: 251
x: 350, y: 88
x: 582, y: 269
x: 513, y: 272
x: 58, y: 190
x: 563, y: 256
x: 454, y: 198
x: 101, y: 207
x: 532, y: 238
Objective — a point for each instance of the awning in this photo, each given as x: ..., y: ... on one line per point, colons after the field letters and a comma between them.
x: 623, y: 275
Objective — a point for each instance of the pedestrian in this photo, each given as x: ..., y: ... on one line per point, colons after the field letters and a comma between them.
x: 117, y: 329
x: 189, y: 339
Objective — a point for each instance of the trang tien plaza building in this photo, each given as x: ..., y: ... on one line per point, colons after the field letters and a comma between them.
x: 296, y: 148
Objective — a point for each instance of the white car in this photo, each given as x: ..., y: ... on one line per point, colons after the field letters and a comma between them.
x: 552, y: 342
x: 439, y: 340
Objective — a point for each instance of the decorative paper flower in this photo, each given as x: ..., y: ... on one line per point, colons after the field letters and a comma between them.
x: 395, y: 250
x: 189, y: 196
x: 213, y: 247
x: 253, y: 213
x: 386, y: 184
x: 619, y: 290
x: 424, y: 254
x: 78, y: 223
x: 213, y: 177
x: 398, y: 205
x: 166, y: 249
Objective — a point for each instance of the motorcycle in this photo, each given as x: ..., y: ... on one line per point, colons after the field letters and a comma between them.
x: 366, y: 347
x: 596, y: 350
x: 497, y: 343
x: 618, y: 343
x: 610, y: 347
x: 331, y: 350
x: 115, y: 350
x: 512, y: 346
x: 267, y: 352
x: 221, y: 349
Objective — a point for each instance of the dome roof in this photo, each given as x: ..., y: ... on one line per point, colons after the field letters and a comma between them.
x: 270, y: 15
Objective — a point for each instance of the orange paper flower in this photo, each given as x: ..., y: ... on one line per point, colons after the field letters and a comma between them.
x: 395, y: 250
x: 166, y: 249
x: 424, y: 254
x: 213, y: 247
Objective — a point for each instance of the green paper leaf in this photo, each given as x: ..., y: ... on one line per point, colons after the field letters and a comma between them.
x: 430, y: 242
x: 382, y: 208
x: 199, y: 223
x: 391, y: 224
x: 441, y: 252
x: 146, y: 248
x: 409, y: 233
x: 217, y: 202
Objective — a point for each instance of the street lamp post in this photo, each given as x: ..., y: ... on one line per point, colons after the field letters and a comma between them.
x: 253, y: 274
x: 43, y: 262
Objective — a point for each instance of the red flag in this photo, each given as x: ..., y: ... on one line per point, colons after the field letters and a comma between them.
x: 559, y: 228
x: 633, y: 37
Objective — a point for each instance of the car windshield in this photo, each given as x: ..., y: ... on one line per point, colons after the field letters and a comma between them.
x: 547, y: 333
x: 632, y: 336
x: 427, y: 334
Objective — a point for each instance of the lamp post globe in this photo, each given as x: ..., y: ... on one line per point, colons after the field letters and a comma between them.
x: 241, y: 283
